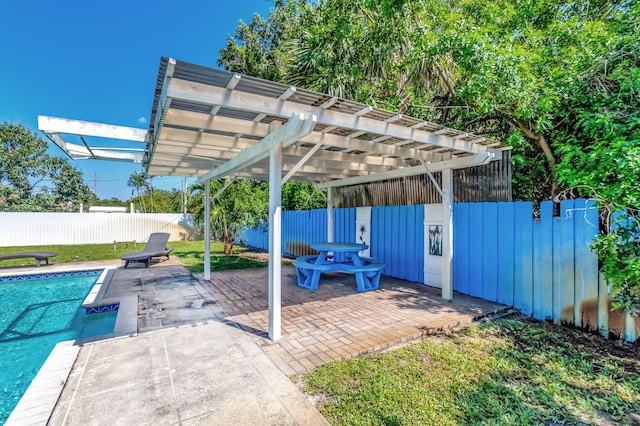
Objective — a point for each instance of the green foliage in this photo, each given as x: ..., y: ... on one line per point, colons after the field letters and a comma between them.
x: 257, y: 48
x: 191, y: 254
x: 242, y: 205
x: 601, y: 158
x: 113, y: 201
x: 498, y: 70
x: 139, y: 181
x: 158, y: 201
x: 500, y: 372
x: 302, y: 196
x: 21, y: 153
x: 25, y: 166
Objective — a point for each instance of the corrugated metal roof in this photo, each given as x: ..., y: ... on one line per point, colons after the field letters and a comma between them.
x: 211, y: 123
x: 221, y: 113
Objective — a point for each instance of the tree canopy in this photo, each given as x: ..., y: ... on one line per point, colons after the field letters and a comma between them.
x: 32, y: 180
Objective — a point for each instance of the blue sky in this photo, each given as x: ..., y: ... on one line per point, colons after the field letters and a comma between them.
x: 98, y: 61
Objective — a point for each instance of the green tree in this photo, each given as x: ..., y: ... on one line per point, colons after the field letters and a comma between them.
x: 139, y: 181
x: 257, y: 48
x: 600, y: 154
x: 25, y: 167
x: 162, y: 201
x: 302, y: 196
x: 23, y: 158
x: 113, y: 201
x: 241, y: 206
x: 501, y: 70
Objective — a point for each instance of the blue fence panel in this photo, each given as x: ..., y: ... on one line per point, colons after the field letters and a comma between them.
x: 300, y: 228
x: 344, y: 228
x: 543, y: 302
x: 578, y: 242
x: 589, y: 301
x: 566, y: 259
x: 461, y: 248
x: 257, y: 237
x: 397, y: 238
x: 490, y: 251
x: 415, y: 238
x: 506, y: 251
x: 380, y: 232
x: 476, y: 249
x: 523, y: 255
x: 556, y: 257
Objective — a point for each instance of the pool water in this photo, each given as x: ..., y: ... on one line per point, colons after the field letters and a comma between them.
x: 36, y: 313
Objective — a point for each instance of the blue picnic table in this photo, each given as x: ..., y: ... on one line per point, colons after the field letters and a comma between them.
x: 366, y: 270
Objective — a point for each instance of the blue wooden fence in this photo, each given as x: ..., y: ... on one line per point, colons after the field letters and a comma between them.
x: 544, y: 267
x: 301, y: 228
x: 397, y: 238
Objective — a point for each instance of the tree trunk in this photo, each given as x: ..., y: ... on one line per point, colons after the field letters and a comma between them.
x: 232, y: 242
x: 543, y: 144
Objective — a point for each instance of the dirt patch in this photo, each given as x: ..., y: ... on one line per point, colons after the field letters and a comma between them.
x: 591, y: 343
x: 259, y: 255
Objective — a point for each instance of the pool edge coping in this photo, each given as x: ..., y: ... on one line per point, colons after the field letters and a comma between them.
x: 39, y: 400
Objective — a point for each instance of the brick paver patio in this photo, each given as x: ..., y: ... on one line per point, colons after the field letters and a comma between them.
x: 337, y: 322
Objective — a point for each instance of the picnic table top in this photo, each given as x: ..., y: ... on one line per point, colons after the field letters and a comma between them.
x: 339, y: 247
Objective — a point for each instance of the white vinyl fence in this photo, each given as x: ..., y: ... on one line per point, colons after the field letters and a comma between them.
x: 29, y: 229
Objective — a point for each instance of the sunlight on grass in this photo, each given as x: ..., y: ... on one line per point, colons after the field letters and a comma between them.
x: 191, y: 254
x: 502, y: 372
x: 70, y: 253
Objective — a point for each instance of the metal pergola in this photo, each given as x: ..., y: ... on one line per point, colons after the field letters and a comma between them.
x: 210, y: 123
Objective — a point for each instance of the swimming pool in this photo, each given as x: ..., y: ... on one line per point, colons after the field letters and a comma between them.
x: 36, y: 312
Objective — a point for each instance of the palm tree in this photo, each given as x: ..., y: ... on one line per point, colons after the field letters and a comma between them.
x: 138, y: 181
x: 242, y: 205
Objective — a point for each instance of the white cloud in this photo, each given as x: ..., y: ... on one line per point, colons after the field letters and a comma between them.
x: 142, y: 120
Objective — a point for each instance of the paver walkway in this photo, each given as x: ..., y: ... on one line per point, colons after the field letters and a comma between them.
x: 336, y: 322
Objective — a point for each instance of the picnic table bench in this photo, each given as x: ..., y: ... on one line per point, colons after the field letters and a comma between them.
x: 366, y: 270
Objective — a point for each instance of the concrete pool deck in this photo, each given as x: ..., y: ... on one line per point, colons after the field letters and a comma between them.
x: 187, y: 364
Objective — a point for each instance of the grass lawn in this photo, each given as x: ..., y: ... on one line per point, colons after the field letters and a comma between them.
x: 191, y: 254
x: 508, y: 371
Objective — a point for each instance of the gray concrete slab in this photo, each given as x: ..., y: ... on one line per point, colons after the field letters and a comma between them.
x: 187, y: 365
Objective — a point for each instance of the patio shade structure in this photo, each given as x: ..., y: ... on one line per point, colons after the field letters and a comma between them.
x: 210, y: 124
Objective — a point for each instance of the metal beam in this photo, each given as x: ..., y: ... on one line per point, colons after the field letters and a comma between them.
x: 207, y: 230
x: 296, y: 127
x: 164, y: 103
x: 275, y: 237
x: 221, y: 190
x: 207, y: 94
x: 80, y: 152
x: 447, y: 234
x: 52, y: 125
x: 301, y: 163
x: 225, y: 124
x: 227, y: 147
x: 456, y: 163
